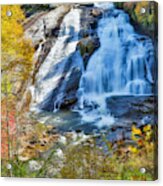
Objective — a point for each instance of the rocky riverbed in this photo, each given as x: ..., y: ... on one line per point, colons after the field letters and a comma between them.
x: 127, y: 110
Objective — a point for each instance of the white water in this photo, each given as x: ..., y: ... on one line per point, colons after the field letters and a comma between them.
x: 122, y: 65
x: 51, y: 71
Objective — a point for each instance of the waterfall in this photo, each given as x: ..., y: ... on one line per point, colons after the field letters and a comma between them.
x: 122, y: 65
x: 51, y: 71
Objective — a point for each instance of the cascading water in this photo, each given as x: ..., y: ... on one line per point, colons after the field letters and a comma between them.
x: 52, y: 70
x: 122, y: 65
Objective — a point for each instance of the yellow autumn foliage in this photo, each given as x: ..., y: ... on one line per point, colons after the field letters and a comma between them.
x: 146, y: 18
x: 132, y: 149
x: 136, y: 130
x: 141, y: 136
x: 17, y: 52
x: 143, y: 15
x: 147, y: 128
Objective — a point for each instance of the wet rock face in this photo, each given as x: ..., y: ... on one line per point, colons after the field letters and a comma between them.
x: 43, y: 29
x: 39, y: 26
x: 139, y: 108
x: 87, y: 46
x: 68, y: 95
x: 71, y: 88
x: 89, y: 41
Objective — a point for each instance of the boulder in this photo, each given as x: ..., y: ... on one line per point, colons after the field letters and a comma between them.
x: 89, y: 41
x: 96, y: 12
x: 139, y: 108
x: 68, y: 93
x: 87, y: 46
x: 72, y: 85
x: 42, y: 25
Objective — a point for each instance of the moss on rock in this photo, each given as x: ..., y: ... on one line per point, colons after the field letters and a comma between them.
x: 87, y: 46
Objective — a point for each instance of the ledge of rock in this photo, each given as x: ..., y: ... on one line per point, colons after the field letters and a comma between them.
x: 87, y: 46
x: 89, y: 41
x: 96, y: 12
x: 135, y: 107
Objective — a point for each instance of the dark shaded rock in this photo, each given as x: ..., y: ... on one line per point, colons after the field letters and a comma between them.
x: 73, y: 81
x: 93, y: 24
x: 86, y: 5
x: 45, y: 49
x: 34, y: 8
x: 44, y: 33
x: 33, y: 142
x: 72, y: 86
x: 89, y: 21
x: 64, y: 94
x: 84, y: 33
x: 68, y: 102
x: 120, y: 105
x: 141, y: 109
x: 78, y: 131
x: 89, y: 39
x: 87, y: 46
x: 55, y: 31
x: 67, y: 88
